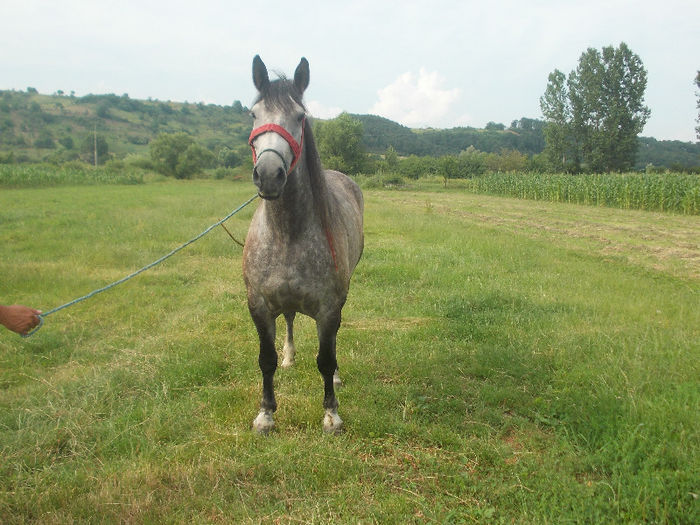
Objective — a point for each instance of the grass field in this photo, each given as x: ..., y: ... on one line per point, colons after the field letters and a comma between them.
x: 504, y: 361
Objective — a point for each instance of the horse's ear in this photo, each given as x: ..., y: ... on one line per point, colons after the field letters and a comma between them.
x: 301, y: 75
x: 260, y: 76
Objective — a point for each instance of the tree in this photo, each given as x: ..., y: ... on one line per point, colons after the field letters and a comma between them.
x: 177, y: 155
x: 45, y: 140
x: 193, y: 160
x: 391, y: 158
x: 92, y: 144
x: 449, y: 168
x: 600, y: 111
x: 339, y: 143
x: 624, y: 84
x: 166, y: 150
x: 66, y: 141
x: 557, y: 112
x: 228, y: 158
x: 102, y: 110
x: 472, y: 162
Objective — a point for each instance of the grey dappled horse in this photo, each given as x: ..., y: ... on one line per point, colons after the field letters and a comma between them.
x: 305, y: 238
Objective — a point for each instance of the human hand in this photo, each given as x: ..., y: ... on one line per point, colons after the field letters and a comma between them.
x: 19, y: 318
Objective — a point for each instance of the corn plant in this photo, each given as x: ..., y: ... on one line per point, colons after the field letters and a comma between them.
x: 672, y: 192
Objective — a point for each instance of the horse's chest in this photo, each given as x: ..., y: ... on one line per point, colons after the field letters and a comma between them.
x: 290, y: 278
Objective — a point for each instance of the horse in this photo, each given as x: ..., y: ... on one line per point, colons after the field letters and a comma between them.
x: 304, y: 240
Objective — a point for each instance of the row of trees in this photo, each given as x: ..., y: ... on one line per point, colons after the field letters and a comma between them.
x: 469, y: 163
x: 595, y: 114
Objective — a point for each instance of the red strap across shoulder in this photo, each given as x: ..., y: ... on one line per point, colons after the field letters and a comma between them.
x: 329, y: 238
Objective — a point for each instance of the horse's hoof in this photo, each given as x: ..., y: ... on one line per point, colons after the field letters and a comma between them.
x: 332, y: 424
x: 287, y: 362
x: 264, y: 423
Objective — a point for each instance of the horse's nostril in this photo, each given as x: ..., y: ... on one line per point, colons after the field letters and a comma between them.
x: 280, y: 174
x: 256, y: 175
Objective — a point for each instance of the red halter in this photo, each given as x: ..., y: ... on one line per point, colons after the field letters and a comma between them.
x: 276, y: 128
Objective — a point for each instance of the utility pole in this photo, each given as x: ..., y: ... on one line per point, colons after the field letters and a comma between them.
x: 95, y: 143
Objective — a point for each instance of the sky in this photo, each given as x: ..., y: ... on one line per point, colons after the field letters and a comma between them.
x: 421, y: 63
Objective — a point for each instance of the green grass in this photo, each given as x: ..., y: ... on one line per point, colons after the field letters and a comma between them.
x: 67, y: 174
x: 504, y: 361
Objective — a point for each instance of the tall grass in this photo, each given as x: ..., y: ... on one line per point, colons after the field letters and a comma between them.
x: 672, y: 192
x: 67, y: 174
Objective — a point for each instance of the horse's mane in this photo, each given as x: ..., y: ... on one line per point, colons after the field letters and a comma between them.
x: 318, y: 179
x: 281, y: 94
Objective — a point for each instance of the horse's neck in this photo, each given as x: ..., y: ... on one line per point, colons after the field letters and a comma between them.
x: 294, y: 211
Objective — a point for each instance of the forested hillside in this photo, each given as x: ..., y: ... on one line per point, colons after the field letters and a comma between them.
x: 62, y: 127
x: 672, y: 154
x: 524, y: 135
x: 35, y: 127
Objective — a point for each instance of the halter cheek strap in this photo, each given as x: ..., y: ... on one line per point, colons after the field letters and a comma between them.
x: 276, y: 128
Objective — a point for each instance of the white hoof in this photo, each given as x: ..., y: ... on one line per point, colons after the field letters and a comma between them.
x: 264, y: 423
x: 332, y: 424
x: 287, y: 362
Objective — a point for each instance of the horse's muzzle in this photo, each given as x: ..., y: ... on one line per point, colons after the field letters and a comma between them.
x: 270, y: 182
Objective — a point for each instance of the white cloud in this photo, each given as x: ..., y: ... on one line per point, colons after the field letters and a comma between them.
x: 417, y: 100
x: 319, y: 110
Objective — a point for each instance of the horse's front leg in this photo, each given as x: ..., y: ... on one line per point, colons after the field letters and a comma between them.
x: 267, y: 360
x: 328, y: 366
x: 289, y: 350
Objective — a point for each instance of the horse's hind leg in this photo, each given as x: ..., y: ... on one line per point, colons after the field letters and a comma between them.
x: 289, y: 349
x: 267, y: 360
x: 328, y: 366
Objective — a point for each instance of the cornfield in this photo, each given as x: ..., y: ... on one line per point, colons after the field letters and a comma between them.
x: 671, y: 192
x: 36, y: 175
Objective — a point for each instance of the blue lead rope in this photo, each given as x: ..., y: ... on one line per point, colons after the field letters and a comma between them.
x: 137, y: 272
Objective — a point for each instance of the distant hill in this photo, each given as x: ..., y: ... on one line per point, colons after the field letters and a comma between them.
x: 671, y: 154
x: 60, y: 127
x: 524, y: 135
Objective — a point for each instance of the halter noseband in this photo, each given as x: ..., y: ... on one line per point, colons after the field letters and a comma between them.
x: 276, y: 128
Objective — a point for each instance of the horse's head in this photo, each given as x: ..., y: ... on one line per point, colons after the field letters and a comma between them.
x: 278, y: 128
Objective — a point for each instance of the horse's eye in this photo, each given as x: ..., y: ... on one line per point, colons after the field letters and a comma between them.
x: 301, y: 117
x: 252, y: 115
